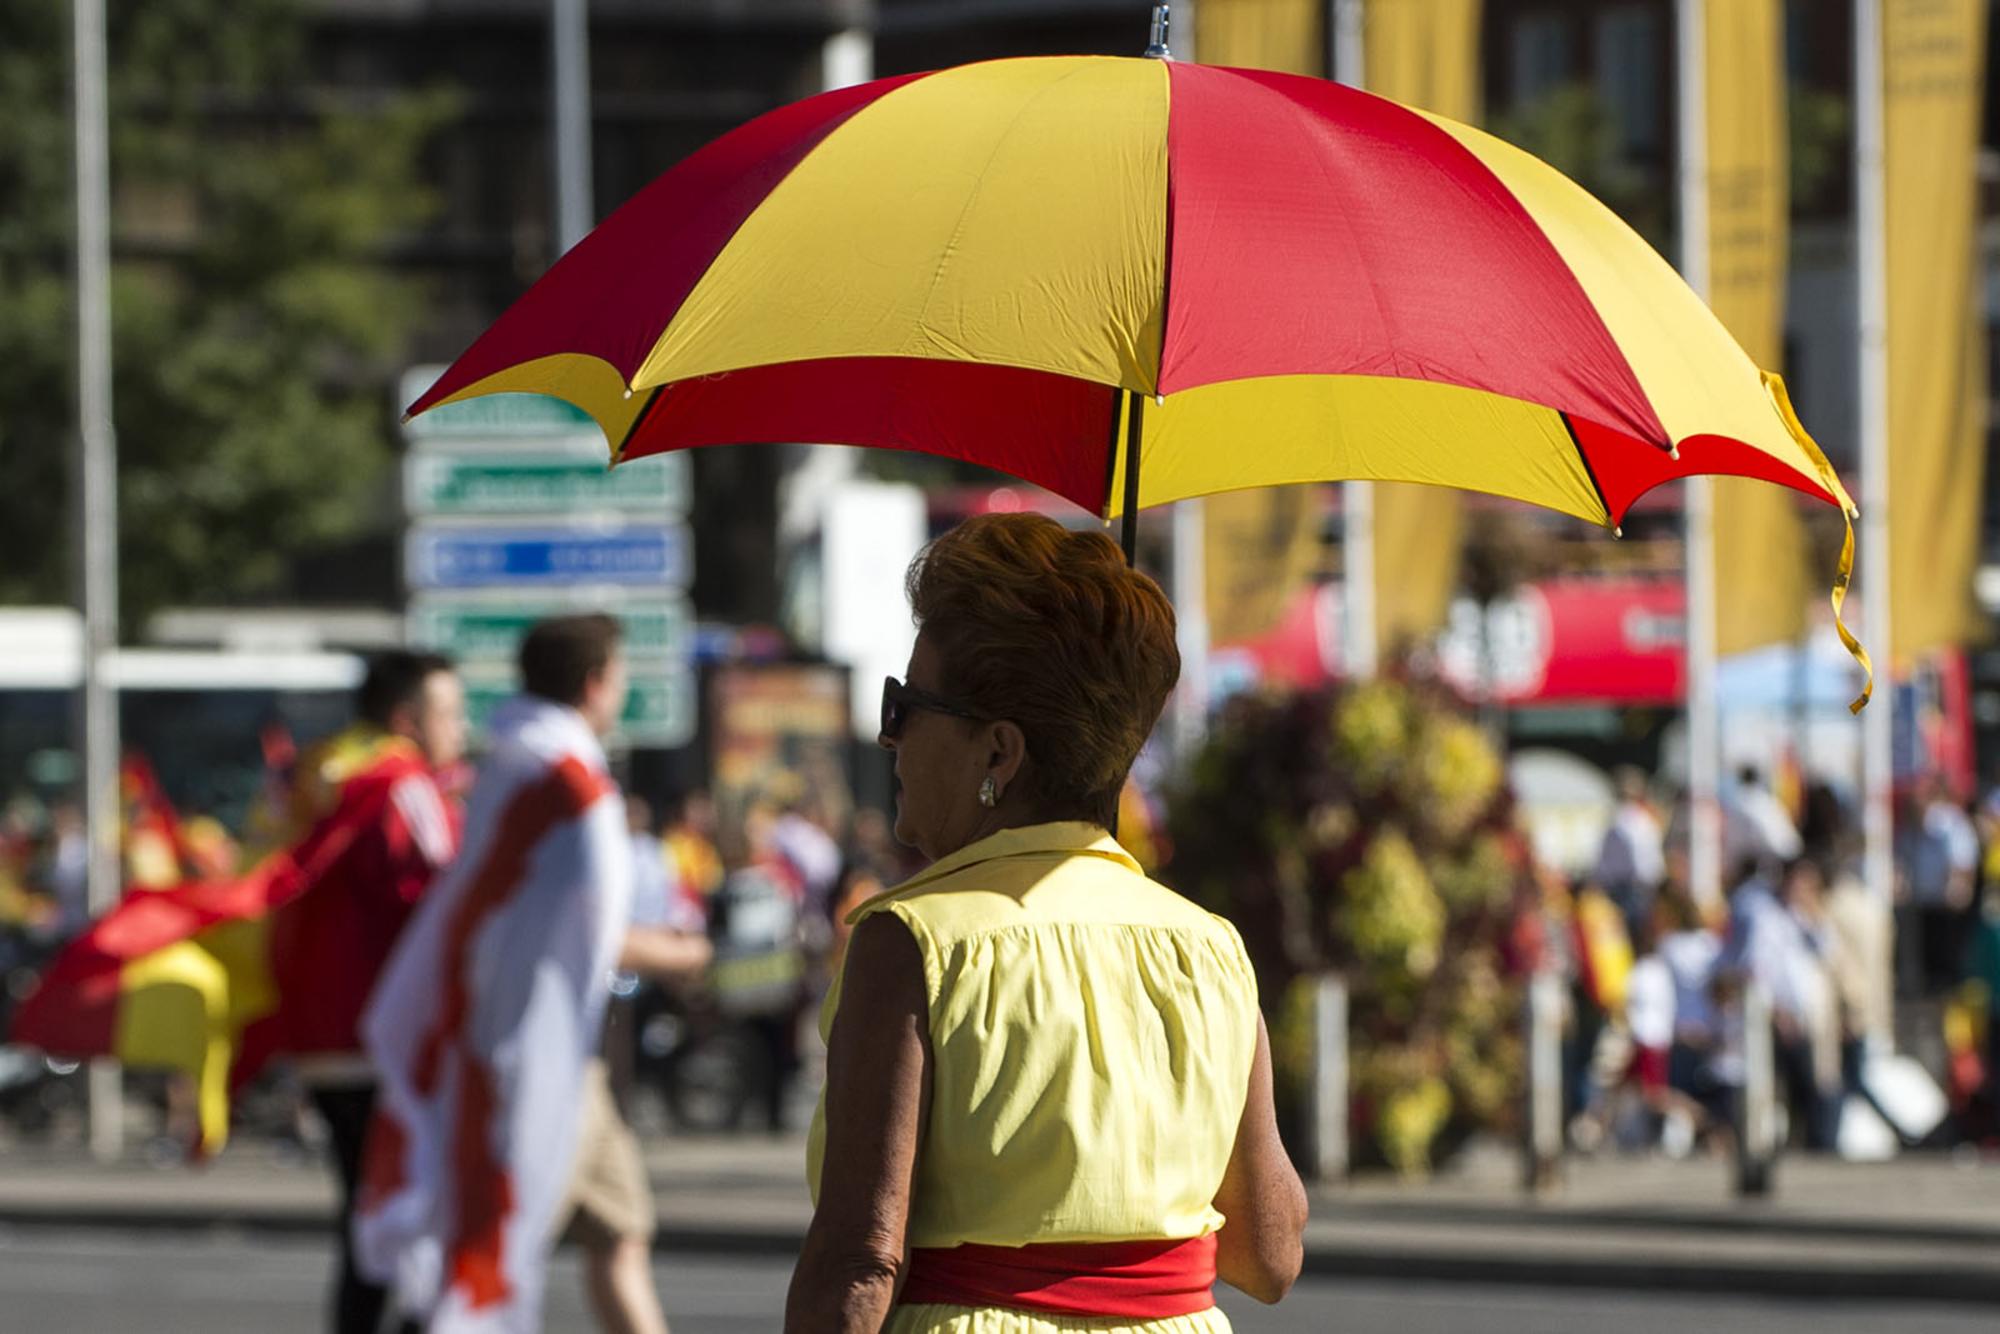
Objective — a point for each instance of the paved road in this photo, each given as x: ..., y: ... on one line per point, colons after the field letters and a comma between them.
x: 189, y: 1283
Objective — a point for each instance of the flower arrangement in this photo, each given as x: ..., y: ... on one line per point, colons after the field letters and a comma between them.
x: 1368, y: 831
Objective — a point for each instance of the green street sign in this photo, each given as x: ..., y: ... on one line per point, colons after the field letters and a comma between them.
x: 553, y: 482
x: 493, y: 416
x: 491, y: 631
x: 659, y: 710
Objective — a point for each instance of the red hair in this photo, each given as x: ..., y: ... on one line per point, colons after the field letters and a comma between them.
x: 1049, y: 629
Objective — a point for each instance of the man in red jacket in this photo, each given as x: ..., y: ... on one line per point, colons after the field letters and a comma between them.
x: 281, y: 960
x: 329, y: 944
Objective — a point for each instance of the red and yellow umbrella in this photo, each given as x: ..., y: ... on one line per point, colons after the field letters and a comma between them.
x: 1133, y: 281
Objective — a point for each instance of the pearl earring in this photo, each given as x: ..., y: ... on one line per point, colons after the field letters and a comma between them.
x: 989, y: 794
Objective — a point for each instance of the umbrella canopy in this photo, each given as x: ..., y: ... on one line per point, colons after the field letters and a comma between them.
x: 1133, y: 281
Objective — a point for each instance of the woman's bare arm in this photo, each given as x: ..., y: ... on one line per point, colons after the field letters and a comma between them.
x: 1262, y: 1243
x: 877, y: 1098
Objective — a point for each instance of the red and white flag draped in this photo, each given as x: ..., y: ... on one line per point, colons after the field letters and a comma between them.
x: 481, y: 1026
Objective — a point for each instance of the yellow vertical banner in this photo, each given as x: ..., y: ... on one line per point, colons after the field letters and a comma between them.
x: 1933, y: 65
x: 1757, y: 526
x: 1425, y: 53
x: 1261, y: 546
x: 1284, y: 35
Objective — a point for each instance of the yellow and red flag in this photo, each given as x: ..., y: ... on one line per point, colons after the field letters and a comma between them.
x: 153, y: 850
x: 193, y: 976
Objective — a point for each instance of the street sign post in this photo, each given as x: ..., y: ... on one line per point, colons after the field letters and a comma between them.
x: 659, y: 708
x: 516, y: 516
x: 462, y: 481
x: 493, y: 417
x: 548, y: 555
x: 485, y: 627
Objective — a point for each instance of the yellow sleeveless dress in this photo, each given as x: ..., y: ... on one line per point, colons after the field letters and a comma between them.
x: 1092, y: 1034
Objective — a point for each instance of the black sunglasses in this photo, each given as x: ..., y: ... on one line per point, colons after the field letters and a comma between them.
x: 898, y: 699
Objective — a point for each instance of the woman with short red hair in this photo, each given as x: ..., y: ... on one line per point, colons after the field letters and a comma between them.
x: 1048, y: 1099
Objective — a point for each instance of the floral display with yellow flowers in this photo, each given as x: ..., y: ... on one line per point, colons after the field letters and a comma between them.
x: 1368, y: 832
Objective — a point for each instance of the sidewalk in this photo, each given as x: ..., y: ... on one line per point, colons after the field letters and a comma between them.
x: 1922, y: 1228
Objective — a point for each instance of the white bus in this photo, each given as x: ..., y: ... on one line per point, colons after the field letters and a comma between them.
x: 200, y: 716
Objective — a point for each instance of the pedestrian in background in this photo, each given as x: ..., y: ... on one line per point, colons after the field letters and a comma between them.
x: 609, y: 1207
x: 329, y: 946
x: 279, y: 961
x: 490, y: 1011
x: 763, y: 972
x: 1758, y: 833
x: 1940, y: 860
x: 1048, y: 1091
x: 1690, y: 950
x: 1816, y: 1086
x: 798, y: 835
x: 689, y: 842
x: 1982, y: 982
x: 1631, y: 859
x: 1775, y: 941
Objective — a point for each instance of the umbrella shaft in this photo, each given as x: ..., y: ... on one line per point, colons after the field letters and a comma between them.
x: 1135, y: 430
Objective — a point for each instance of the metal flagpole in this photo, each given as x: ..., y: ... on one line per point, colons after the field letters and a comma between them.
x: 1189, y: 575
x: 569, y: 159
x: 1357, y: 499
x: 1704, y: 728
x: 1191, y: 620
x: 1871, y: 242
x: 847, y: 58
x: 97, y: 517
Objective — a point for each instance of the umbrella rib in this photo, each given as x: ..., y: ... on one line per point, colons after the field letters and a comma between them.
x: 638, y: 420
x: 1590, y: 472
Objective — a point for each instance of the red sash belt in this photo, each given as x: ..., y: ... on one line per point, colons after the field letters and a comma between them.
x: 1141, y: 1279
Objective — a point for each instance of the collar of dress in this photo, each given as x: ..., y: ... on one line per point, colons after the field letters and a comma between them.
x: 1073, y: 838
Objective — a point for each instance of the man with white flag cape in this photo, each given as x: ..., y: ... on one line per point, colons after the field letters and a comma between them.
x: 492, y: 1003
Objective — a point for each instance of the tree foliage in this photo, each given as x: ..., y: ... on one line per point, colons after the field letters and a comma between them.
x: 1575, y: 130
x: 254, y: 319
x: 1820, y: 137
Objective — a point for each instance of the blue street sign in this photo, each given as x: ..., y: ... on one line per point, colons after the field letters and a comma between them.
x: 652, y: 554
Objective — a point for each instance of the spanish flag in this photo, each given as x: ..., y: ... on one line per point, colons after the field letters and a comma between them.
x: 152, y: 844
x: 175, y: 978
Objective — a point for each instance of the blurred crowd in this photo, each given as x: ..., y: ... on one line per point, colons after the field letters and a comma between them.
x: 771, y: 894
x: 44, y: 853
x: 1655, y: 1042
x: 736, y: 1047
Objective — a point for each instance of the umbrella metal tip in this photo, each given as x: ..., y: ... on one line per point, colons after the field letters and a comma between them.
x: 1157, y: 48
x: 1617, y: 531
x: 1674, y: 452
x: 628, y: 393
